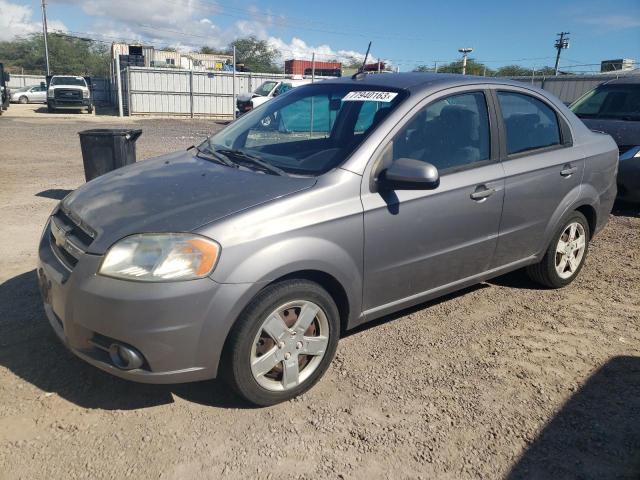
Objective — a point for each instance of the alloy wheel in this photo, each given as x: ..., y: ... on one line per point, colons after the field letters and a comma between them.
x: 570, y: 250
x: 289, y: 345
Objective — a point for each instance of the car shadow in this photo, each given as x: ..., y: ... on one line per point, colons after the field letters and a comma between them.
x: 516, y: 279
x: 624, y: 209
x: 596, y: 434
x: 416, y: 308
x: 30, y: 350
x: 54, y: 193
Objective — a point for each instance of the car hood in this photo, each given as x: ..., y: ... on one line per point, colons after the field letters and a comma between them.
x: 243, y: 97
x: 178, y: 192
x: 625, y: 133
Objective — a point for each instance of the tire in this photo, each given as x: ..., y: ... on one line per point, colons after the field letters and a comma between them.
x: 547, y: 271
x: 249, y: 335
x: 50, y: 109
x: 23, y: 100
x: 89, y: 110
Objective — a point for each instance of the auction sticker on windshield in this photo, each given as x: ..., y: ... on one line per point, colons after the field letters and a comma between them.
x: 369, y: 96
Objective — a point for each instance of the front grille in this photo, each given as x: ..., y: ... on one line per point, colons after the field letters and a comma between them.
x: 67, y: 94
x: 69, y: 238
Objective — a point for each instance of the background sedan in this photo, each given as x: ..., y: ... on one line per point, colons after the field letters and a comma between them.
x: 30, y: 94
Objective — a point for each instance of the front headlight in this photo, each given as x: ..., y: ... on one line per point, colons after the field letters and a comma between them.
x: 161, y: 257
x: 85, y: 94
x: 50, y: 93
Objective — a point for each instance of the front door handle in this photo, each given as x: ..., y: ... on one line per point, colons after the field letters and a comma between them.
x: 568, y: 170
x: 482, y: 192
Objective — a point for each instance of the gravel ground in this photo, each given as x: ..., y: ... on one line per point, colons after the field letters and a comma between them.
x: 503, y: 380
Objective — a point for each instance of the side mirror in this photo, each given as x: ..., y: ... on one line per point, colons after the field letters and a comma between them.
x: 409, y: 174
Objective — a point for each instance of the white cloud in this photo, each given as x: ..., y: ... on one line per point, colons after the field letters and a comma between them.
x: 299, y: 49
x: 18, y: 20
x: 182, y: 24
x: 610, y: 22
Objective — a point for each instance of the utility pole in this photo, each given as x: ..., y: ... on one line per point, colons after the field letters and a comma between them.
x: 561, y: 43
x: 44, y: 33
x: 313, y: 67
x: 234, y: 82
x: 465, y: 53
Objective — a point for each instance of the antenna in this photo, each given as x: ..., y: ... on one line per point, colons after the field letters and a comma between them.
x: 356, y: 75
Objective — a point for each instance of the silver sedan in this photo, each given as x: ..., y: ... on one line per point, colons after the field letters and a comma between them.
x: 30, y: 94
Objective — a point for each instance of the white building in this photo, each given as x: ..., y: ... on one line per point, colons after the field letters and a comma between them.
x: 148, y: 56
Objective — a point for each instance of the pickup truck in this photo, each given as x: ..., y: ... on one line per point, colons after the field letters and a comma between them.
x: 66, y: 92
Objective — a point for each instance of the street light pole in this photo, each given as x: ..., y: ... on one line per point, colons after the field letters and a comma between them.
x: 465, y: 52
x: 44, y: 33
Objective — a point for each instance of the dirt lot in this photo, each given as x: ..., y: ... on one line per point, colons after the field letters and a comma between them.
x: 500, y: 380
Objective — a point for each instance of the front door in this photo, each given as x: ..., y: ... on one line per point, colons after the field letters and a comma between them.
x: 419, y: 240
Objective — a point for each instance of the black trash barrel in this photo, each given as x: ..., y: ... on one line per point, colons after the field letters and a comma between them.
x: 105, y: 149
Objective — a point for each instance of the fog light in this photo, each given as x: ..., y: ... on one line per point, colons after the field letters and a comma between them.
x: 125, y: 358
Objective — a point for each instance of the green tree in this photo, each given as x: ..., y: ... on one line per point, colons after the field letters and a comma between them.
x: 473, y: 68
x: 68, y: 55
x: 513, y: 71
x: 212, y: 51
x: 256, y: 55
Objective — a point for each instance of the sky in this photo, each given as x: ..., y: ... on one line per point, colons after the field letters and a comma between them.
x: 404, y: 33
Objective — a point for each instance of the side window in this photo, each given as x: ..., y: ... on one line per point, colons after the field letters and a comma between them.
x: 450, y: 133
x: 530, y: 123
x: 284, y: 87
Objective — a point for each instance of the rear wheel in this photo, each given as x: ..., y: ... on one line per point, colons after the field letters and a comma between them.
x: 23, y: 100
x: 283, y: 343
x: 566, y: 254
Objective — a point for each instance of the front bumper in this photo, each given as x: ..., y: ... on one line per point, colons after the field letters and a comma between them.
x: 68, y: 104
x: 178, y: 327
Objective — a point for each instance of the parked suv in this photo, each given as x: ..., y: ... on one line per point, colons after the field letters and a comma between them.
x: 614, y: 108
x: 247, y: 256
x: 69, y: 93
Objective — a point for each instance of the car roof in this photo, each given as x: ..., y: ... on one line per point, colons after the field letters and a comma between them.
x: 632, y: 78
x: 417, y: 81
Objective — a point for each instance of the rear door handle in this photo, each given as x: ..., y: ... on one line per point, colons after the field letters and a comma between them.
x: 568, y: 170
x: 481, y: 192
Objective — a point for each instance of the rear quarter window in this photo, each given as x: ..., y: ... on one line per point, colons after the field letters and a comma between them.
x: 530, y: 124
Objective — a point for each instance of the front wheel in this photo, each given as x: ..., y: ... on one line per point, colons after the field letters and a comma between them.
x: 283, y: 342
x: 23, y: 100
x: 566, y: 254
x: 89, y: 110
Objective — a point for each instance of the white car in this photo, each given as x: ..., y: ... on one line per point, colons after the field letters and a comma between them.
x: 69, y: 93
x: 30, y: 94
x: 265, y: 92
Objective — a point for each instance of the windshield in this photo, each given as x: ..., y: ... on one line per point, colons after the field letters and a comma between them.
x: 311, y: 129
x: 76, y: 81
x: 620, y: 102
x: 265, y: 89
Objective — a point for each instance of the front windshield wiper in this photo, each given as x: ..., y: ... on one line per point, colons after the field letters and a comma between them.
x: 211, y: 155
x: 241, y: 156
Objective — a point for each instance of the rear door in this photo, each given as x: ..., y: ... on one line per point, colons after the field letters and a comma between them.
x: 38, y: 94
x: 542, y: 171
x: 419, y: 240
